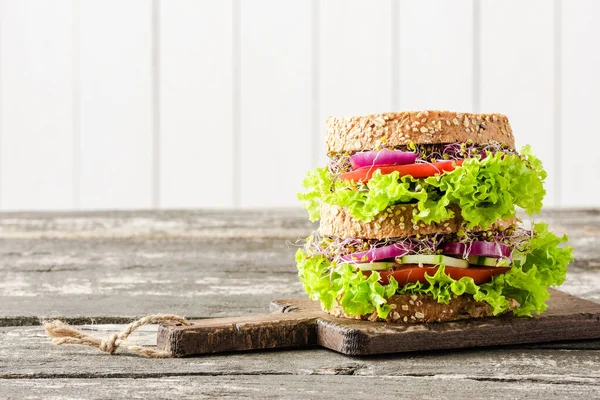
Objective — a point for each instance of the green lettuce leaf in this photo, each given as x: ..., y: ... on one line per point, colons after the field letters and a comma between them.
x: 356, y: 293
x: 485, y: 190
x: 542, y: 263
x: 318, y: 184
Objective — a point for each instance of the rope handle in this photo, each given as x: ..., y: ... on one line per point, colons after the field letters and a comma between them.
x: 62, y: 333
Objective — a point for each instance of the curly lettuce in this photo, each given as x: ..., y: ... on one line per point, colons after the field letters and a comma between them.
x: 541, y: 263
x: 353, y: 291
x: 486, y: 190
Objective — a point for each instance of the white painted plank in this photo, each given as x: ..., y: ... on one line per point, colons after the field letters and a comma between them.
x: 275, y: 100
x: 517, y: 75
x: 196, y: 96
x: 355, y: 59
x: 116, y: 104
x: 436, y: 55
x: 36, y: 103
x: 580, y: 136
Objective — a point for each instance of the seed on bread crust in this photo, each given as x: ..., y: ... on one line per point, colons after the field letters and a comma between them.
x: 337, y: 221
x: 349, y: 134
x: 426, y: 309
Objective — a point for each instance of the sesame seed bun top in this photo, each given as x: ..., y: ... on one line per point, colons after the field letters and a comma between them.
x: 352, y: 134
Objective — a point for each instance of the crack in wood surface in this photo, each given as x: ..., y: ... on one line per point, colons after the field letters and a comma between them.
x: 106, y: 268
x: 352, y: 370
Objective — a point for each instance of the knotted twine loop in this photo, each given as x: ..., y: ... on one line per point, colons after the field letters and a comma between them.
x: 64, y: 334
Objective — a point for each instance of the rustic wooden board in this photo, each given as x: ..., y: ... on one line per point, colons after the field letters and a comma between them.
x: 300, y: 322
x: 343, y: 386
x: 567, y: 318
x: 26, y: 353
x: 101, y: 268
x: 112, y: 267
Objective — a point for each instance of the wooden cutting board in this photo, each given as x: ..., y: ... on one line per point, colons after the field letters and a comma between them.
x: 302, y: 323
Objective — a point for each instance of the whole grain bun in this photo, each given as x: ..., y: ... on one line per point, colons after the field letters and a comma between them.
x: 421, y: 308
x: 394, y: 221
x: 351, y: 134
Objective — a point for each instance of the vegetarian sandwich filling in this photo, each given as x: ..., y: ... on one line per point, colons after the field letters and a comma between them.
x: 484, y: 183
x: 341, y: 162
x: 495, y: 243
x: 486, y: 188
x: 491, y: 266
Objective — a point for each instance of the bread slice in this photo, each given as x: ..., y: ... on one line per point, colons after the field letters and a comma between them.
x: 351, y: 134
x: 421, y: 308
x: 394, y: 221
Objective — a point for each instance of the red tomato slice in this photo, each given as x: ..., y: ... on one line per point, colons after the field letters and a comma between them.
x: 413, y: 273
x: 421, y: 170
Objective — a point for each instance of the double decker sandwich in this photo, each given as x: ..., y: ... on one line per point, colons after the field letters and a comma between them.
x: 418, y: 220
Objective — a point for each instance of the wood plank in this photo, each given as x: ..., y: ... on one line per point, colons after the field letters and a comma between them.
x: 431, y: 34
x: 275, y: 101
x: 257, y: 332
x: 27, y: 353
x: 96, y: 277
x: 85, y: 224
x: 580, y: 83
x: 567, y: 318
x: 355, y: 60
x: 116, y: 104
x: 196, y: 104
x: 36, y: 105
x: 208, y: 224
x: 88, y: 264
x: 518, y: 78
x: 84, y: 280
x: 335, y: 386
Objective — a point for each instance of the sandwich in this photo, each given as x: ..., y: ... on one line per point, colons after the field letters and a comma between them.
x: 418, y: 221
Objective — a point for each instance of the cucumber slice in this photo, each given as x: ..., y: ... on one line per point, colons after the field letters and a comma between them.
x: 433, y: 259
x: 489, y: 261
x: 375, y: 266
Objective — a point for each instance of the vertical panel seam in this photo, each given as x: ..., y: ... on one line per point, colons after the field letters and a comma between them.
x: 558, y: 102
x: 236, y: 103
x: 476, y: 56
x: 1, y: 97
x: 76, y: 105
x: 156, y: 131
x: 395, y: 56
x: 316, y: 82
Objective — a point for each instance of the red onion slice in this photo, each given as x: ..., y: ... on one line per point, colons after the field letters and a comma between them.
x: 382, y: 157
x: 378, y: 253
x: 486, y: 249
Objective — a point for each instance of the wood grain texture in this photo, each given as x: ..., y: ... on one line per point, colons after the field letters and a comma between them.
x: 25, y: 352
x: 255, y: 332
x: 336, y: 386
x: 115, y: 266
x: 97, y: 267
x: 298, y: 387
x: 299, y: 322
x: 567, y: 318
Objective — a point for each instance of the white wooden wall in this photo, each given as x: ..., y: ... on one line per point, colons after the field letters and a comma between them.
x: 213, y: 103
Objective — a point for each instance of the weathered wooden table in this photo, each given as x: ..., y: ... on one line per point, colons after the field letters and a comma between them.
x: 103, y: 269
